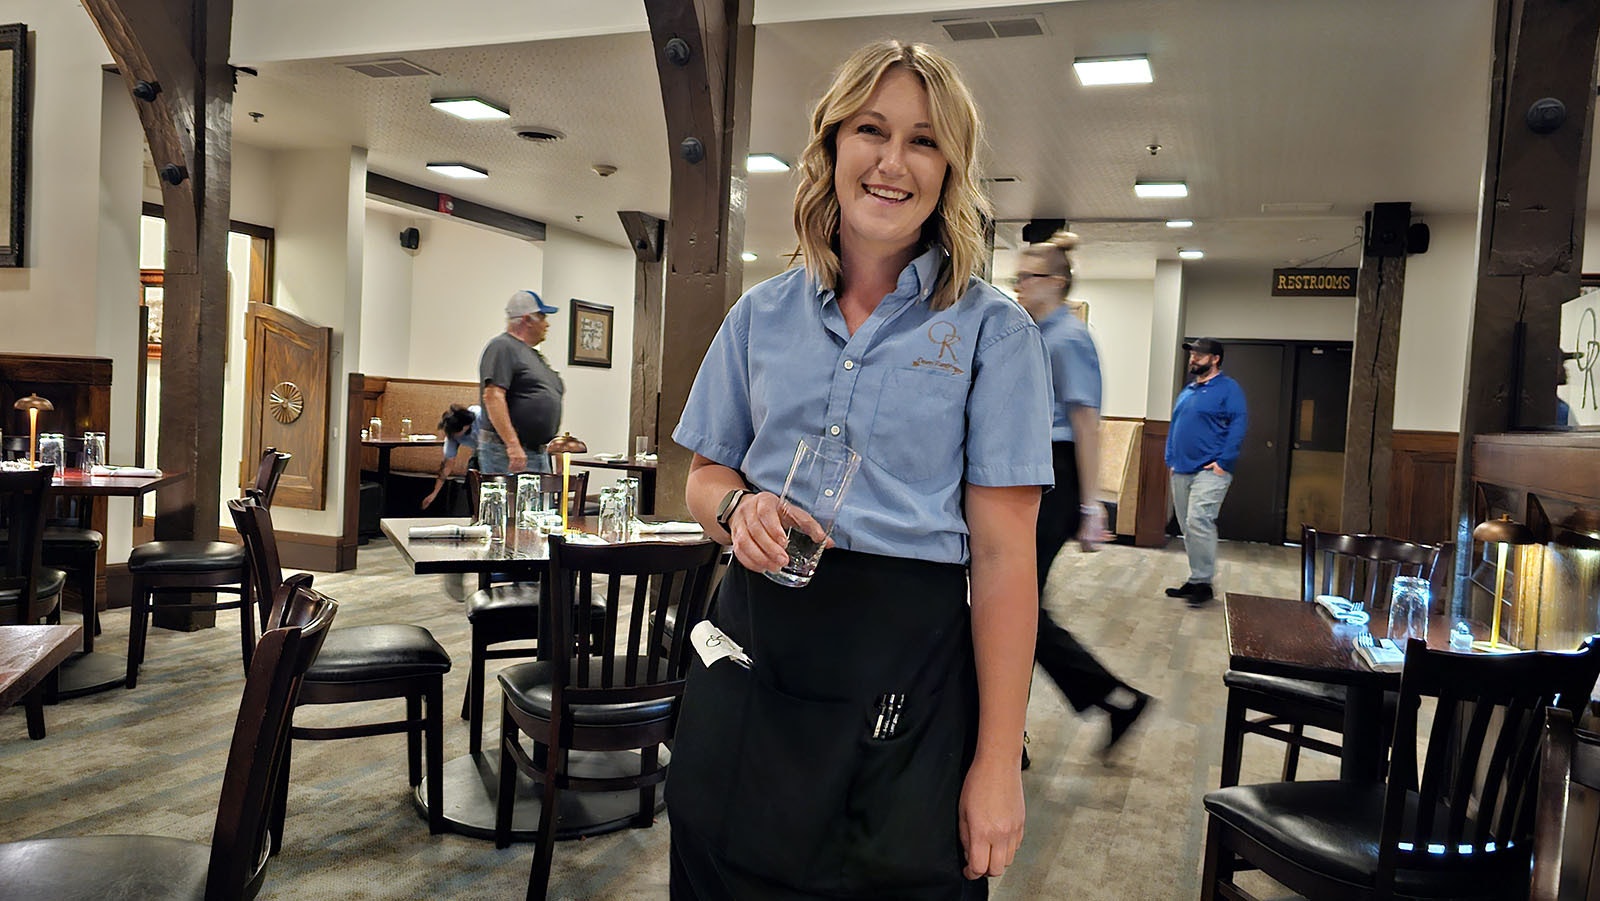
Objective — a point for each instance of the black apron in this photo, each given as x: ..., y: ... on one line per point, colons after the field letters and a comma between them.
x: 777, y: 782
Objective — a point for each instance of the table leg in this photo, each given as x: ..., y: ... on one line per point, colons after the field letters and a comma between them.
x: 647, y: 491
x: 383, y: 477
x: 1362, y: 754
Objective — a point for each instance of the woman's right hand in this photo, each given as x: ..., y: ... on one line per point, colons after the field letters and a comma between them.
x: 760, y: 530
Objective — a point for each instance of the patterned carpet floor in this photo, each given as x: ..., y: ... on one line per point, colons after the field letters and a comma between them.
x: 150, y: 760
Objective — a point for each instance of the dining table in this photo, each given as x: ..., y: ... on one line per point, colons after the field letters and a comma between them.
x: 644, y: 467
x: 1296, y: 639
x: 88, y: 671
x: 28, y: 654
x: 385, y: 447
x: 471, y: 782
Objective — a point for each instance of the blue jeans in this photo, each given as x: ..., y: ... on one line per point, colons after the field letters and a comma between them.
x: 493, y: 459
x: 1196, y: 499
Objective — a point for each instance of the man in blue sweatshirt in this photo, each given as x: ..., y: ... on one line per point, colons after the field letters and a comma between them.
x: 1208, y: 425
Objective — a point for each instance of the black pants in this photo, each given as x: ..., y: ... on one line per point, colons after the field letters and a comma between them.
x: 1069, y: 664
x: 781, y: 784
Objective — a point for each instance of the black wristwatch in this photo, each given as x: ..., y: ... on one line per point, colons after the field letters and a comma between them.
x: 730, y: 502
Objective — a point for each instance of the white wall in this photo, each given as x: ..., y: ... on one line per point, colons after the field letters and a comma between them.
x: 596, y: 404
x: 461, y: 276
x: 51, y: 305
x: 1119, y: 319
x: 1237, y: 302
x: 1433, y: 327
x: 386, y: 288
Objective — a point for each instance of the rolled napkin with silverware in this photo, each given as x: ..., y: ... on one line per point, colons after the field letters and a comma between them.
x: 667, y: 528
x: 143, y: 472
x: 449, y: 532
x: 1381, y: 655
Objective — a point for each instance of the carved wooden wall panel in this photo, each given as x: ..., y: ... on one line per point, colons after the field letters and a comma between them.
x: 286, y: 403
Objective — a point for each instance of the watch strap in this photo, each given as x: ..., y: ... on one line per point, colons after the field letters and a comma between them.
x: 730, y: 502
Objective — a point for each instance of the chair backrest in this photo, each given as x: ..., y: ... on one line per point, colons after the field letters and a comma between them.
x: 268, y: 472
x: 239, y: 843
x: 22, y: 504
x: 1469, y: 802
x: 637, y: 661
x: 253, y: 521
x: 1359, y: 567
x: 1566, y: 831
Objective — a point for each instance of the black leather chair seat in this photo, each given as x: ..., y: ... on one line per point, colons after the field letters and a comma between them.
x: 72, y: 538
x: 1321, y: 694
x: 105, y: 868
x: 527, y: 686
x: 185, y: 556
x: 1331, y: 828
x: 515, y: 599
x: 50, y: 583
x: 376, y: 653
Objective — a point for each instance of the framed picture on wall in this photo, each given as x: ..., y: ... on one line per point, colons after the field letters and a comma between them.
x: 589, y: 340
x: 14, y: 93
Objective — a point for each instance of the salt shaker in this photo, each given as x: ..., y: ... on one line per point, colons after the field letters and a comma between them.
x: 1461, y: 637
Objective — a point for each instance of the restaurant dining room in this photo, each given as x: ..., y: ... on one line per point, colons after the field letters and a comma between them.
x: 283, y: 613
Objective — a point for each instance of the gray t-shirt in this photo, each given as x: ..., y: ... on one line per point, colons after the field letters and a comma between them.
x: 533, y: 389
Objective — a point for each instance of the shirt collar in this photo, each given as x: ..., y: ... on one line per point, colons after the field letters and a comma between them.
x: 916, y: 280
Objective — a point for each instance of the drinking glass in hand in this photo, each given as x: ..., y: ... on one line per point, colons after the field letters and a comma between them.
x: 1408, y: 610
x: 818, y: 479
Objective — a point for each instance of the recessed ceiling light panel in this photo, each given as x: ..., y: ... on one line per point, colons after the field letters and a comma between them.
x: 764, y: 162
x: 1161, y: 189
x: 1180, y: 223
x: 458, y: 170
x: 1191, y: 254
x: 472, y: 108
x: 1113, y: 70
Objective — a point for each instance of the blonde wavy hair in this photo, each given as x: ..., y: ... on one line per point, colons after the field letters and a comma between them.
x: 957, y: 221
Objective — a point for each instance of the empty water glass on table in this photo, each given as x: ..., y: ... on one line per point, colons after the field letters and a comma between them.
x: 94, y: 450
x: 492, y: 509
x: 1409, y: 600
x: 405, y: 430
x: 630, y: 491
x: 818, y: 479
x: 52, y: 450
x: 375, y: 428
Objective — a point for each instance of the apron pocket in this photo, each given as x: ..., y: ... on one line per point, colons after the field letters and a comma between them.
x: 705, y: 748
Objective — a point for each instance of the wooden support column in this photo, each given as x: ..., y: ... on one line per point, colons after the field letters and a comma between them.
x: 1369, y: 429
x: 173, y: 55
x: 1530, y: 229
x: 703, y: 56
x: 645, y: 234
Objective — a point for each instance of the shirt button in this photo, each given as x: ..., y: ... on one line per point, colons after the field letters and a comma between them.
x: 833, y: 430
x: 849, y: 364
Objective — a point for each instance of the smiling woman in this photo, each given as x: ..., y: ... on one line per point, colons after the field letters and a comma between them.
x: 13, y: 140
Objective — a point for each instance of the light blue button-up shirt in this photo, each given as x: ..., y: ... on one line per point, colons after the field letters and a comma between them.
x: 929, y: 399
x: 1074, y: 369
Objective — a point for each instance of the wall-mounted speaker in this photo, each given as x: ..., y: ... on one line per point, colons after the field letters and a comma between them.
x: 1418, y: 238
x: 1039, y: 231
x: 410, y: 238
x: 1386, y: 229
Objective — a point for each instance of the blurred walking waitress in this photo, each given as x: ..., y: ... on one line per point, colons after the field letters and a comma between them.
x: 872, y: 747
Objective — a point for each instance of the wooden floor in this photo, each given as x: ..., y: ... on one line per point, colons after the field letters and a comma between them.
x: 150, y: 760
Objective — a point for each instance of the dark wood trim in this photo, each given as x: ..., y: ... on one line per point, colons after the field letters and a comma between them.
x: 416, y: 197
x: 157, y: 211
x: 1155, y: 486
x: 647, y: 235
x: 1422, y: 473
x: 301, y: 550
x: 361, y: 393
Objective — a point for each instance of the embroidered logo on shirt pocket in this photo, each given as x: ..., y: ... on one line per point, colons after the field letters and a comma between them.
x: 919, y: 424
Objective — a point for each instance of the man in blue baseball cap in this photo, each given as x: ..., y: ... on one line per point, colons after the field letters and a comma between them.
x: 521, y: 392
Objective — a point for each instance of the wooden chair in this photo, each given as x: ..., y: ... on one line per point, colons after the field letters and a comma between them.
x: 1457, y: 824
x: 233, y: 866
x: 1566, y: 832
x: 167, y: 567
x: 357, y: 663
x: 500, y: 614
x: 618, y: 692
x: 29, y: 592
x: 1357, y: 567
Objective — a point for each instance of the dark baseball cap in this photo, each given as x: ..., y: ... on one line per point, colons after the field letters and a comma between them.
x: 1204, y: 346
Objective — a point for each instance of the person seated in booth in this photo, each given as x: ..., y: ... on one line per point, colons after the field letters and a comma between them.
x: 460, y: 426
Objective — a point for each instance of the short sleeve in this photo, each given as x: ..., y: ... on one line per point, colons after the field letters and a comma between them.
x: 1008, y: 412
x: 716, y: 421
x: 1077, y: 370
x: 497, y: 366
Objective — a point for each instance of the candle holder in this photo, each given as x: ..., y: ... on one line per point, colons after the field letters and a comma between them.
x: 1503, y: 533
x: 33, y: 403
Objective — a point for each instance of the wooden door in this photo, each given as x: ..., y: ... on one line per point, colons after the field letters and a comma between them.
x: 286, y: 402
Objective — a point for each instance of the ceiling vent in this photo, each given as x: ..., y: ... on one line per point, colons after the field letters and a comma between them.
x: 984, y: 29
x: 388, y: 68
x: 1003, y: 179
x: 539, y: 134
x: 1296, y: 207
